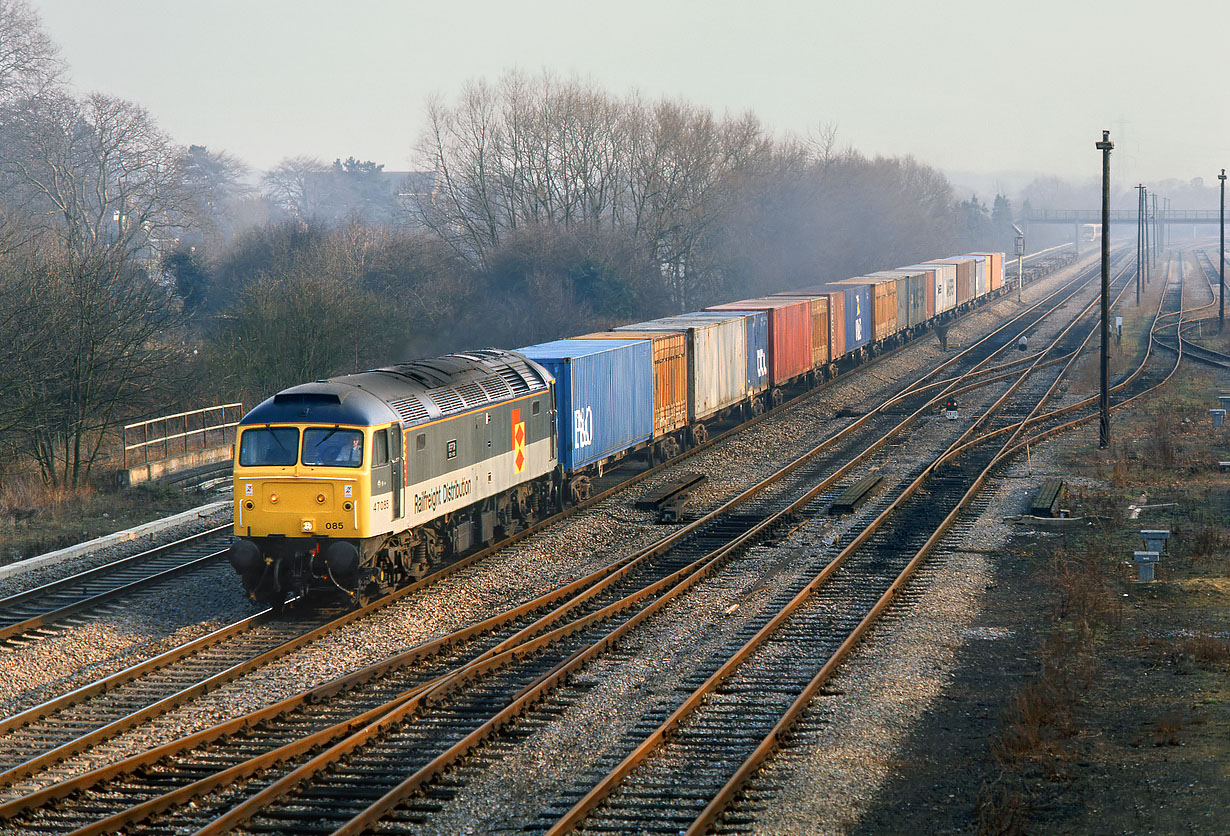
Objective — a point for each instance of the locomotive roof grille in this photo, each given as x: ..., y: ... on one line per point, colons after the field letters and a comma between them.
x: 520, y: 376
x: 410, y: 410
x: 473, y: 394
x: 447, y: 400
x: 496, y: 388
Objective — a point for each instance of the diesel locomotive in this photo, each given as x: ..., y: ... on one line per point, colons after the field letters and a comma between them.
x: 359, y: 483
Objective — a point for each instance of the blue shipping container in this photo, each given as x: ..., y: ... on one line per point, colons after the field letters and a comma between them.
x: 603, y: 396
x: 858, y: 314
x: 757, y: 323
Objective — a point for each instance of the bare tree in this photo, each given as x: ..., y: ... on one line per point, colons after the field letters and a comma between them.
x: 29, y: 61
x: 93, y: 340
x: 97, y: 174
x: 308, y: 317
x: 214, y: 182
x: 291, y: 185
x: 97, y: 188
x: 545, y: 151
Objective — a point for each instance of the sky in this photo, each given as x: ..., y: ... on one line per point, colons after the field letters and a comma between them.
x: 987, y: 91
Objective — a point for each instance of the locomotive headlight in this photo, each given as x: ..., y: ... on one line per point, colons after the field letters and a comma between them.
x: 320, y: 498
x: 273, y: 499
x: 307, y: 525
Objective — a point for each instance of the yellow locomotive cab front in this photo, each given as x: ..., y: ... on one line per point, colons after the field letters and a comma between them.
x: 302, y: 481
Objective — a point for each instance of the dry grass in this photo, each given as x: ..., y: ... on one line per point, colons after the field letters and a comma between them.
x: 1002, y: 810
x: 1160, y: 444
x: 1041, y: 719
x: 1084, y: 597
x: 26, y: 493
x: 35, y: 518
x: 1207, y: 539
x: 1188, y: 654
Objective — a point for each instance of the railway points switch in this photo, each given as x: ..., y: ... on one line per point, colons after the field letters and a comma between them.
x: 671, y: 500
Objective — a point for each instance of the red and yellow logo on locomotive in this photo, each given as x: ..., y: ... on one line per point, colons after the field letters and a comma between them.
x: 518, y: 441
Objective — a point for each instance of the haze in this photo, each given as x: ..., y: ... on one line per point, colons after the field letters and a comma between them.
x: 271, y: 79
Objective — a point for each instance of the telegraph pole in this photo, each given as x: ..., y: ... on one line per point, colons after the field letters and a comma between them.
x: 1157, y: 238
x: 1140, y: 236
x: 1144, y: 226
x: 1104, y: 401
x: 1221, y: 265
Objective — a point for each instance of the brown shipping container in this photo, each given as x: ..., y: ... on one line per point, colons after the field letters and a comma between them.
x: 670, y: 375
x: 965, y: 276
x: 837, y: 325
x: 821, y: 340
x: 883, y: 305
x: 790, y: 348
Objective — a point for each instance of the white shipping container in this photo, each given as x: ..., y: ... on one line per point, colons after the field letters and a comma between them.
x: 982, y: 276
x: 945, y: 284
x: 717, y: 360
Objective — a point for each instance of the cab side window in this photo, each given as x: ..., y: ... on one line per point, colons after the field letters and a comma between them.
x: 380, y: 447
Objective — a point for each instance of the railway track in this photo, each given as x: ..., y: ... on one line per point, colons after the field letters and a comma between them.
x: 26, y: 615
x: 71, y: 722
x: 749, y: 704
x: 1005, y: 342
x: 1192, y: 349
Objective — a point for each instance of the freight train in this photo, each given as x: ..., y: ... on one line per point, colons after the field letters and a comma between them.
x: 357, y: 484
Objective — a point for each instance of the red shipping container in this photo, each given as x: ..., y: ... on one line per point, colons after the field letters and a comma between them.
x: 836, y: 315
x: 790, y: 343
x: 821, y: 339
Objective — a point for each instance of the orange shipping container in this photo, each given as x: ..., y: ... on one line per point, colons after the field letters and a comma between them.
x: 883, y: 305
x: 995, y: 268
x: 670, y: 375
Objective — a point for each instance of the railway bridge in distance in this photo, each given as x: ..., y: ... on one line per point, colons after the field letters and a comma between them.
x: 1086, y: 224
